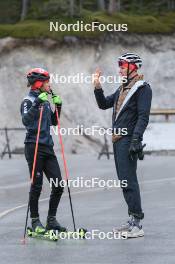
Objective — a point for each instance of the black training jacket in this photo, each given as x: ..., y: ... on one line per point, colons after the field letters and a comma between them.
x: 30, y: 117
x: 135, y: 111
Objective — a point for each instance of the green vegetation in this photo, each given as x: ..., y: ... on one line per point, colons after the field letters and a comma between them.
x: 136, y: 24
x: 10, y: 11
x: 142, y: 16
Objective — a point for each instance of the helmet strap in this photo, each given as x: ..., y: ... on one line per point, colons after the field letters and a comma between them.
x: 129, y: 73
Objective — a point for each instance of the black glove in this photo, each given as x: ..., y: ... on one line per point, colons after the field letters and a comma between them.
x: 136, y: 148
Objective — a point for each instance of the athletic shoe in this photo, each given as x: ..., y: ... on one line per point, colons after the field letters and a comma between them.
x: 52, y: 223
x: 37, y: 226
x: 134, y: 231
x: 124, y: 227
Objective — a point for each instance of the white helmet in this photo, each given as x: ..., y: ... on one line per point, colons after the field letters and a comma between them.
x: 130, y: 58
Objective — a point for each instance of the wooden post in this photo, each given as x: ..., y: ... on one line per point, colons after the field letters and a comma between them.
x: 8, y: 142
x: 7, y: 145
x: 167, y: 117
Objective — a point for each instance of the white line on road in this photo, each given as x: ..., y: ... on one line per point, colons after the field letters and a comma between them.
x: 6, y: 212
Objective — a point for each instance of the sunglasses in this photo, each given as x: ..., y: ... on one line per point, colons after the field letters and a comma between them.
x: 125, y: 64
x: 122, y: 63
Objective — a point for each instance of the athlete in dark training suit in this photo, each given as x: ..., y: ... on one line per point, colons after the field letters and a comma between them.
x: 38, y: 80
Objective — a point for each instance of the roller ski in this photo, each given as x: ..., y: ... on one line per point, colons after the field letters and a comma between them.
x: 38, y: 231
x: 62, y: 232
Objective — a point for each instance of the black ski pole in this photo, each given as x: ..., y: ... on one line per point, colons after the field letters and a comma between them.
x: 65, y: 165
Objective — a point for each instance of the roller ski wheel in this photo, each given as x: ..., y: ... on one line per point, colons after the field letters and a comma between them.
x: 49, y: 235
x: 82, y: 232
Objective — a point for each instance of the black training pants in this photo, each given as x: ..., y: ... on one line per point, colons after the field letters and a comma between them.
x: 46, y: 162
x: 126, y: 170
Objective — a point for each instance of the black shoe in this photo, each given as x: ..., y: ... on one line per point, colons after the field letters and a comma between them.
x: 37, y: 225
x: 52, y: 223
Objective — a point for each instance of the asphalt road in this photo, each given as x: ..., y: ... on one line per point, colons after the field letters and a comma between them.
x: 95, y: 208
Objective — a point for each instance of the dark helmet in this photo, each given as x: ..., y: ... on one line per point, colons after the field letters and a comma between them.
x: 37, y: 74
